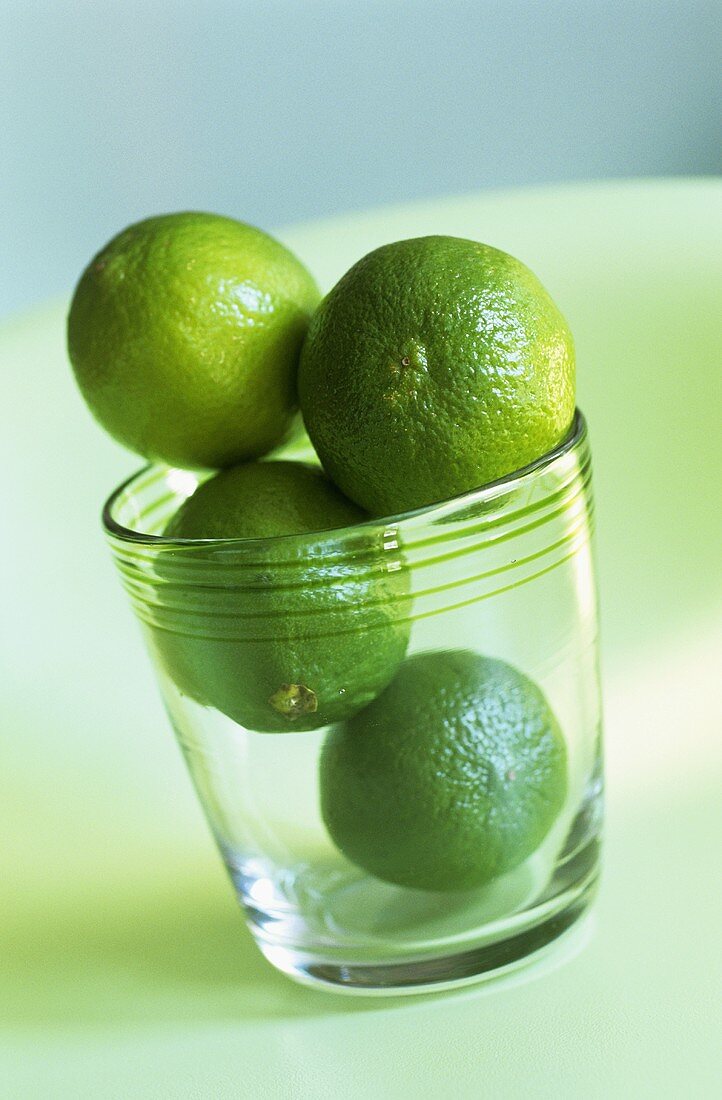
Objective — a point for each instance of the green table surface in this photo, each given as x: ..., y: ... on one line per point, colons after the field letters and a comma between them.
x: 126, y: 968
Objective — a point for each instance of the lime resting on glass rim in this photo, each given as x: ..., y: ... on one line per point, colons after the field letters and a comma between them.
x: 293, y: 633
x: 184, y: 334
x: 435, y: 365
x: 453, y: 776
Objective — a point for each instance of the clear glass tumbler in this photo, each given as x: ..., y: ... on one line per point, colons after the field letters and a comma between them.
x: 270, y: 654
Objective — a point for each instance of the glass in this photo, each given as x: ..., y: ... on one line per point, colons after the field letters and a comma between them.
x: 505, y: 571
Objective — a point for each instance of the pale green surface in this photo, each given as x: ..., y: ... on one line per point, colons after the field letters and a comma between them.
x: 126, y: 961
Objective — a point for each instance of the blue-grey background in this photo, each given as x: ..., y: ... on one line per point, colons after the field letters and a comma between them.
x: 280, y: 110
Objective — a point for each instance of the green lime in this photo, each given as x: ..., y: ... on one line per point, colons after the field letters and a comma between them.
x: 434, y: 366
x: 302, y: 632
x: 450, y: 778
x: 184, y: 334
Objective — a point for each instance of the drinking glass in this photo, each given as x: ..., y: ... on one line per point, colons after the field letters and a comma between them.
x: 505, y: 572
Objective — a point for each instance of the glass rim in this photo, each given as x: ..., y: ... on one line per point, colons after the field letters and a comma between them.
x: 441, y: 509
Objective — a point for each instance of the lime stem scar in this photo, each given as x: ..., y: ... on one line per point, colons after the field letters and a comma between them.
x: 294, y: 701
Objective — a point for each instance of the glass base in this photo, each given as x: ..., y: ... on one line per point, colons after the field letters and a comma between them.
x: 483, y: 954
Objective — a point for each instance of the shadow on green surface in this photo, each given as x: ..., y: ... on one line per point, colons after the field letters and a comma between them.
x: 142, y: 958
x: 155, y: 958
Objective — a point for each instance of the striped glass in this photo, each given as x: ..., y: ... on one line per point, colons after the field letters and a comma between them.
x: 505, y: 571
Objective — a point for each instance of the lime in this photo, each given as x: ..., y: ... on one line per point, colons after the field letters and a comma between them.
x: 302, y: 631
x: 184, y: 334
x: 450, y: 778
x: 263, y: 500
x: 434, y: 366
